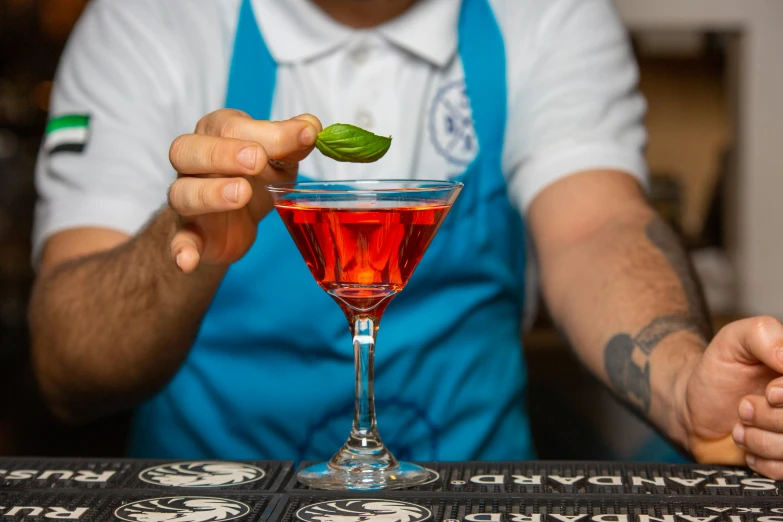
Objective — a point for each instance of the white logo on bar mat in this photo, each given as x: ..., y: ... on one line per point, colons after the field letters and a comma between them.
x: 182, y: 509
x: 202, y: 474
x: 363, y: 510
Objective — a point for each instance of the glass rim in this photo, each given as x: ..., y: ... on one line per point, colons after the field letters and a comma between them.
x: 424, y: 185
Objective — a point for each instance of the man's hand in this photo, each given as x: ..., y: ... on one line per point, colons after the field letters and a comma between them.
x: 620, y: 285
x: 733, y: 408
x: 223, y: 168
x: 100, y: 277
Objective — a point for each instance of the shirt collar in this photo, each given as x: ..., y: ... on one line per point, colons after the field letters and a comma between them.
x: 428, y: 29
x: 298, y: 30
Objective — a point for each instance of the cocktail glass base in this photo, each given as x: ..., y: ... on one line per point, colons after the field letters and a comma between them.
x: 365, y: 477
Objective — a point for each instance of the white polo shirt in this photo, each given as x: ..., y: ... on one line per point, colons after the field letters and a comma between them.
x: 145, y: 71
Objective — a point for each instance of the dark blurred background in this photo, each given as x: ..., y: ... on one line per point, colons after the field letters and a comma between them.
x: 692, y: 74
x: 32, y: 36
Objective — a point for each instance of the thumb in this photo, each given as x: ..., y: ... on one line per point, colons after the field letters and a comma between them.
x: 306, y: 127
x: 754, y: 340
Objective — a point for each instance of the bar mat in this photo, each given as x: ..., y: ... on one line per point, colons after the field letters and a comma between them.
x: 162, y: 475
x: 600, y: 478
x: 451, y: 508
x: 137, y: 506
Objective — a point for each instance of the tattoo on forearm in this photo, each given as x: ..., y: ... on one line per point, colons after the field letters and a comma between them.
x: 664, y: 239
x: 660, y: 328
x: 627, y: 358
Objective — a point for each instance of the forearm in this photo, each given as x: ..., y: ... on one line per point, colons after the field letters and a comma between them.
x: 631, y: 307
x: 110, y: 329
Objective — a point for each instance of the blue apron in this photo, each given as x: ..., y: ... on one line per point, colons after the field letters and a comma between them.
x: 270, y: 375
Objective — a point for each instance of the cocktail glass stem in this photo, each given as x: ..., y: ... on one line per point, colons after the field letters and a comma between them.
x: 365, y: 428
x: 363, y: 462
x: 364, y: 451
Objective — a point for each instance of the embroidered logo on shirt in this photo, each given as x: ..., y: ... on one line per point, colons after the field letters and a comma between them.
x: 363, y: 510
x: 67, y: 133
x: 182, y: 509
x: 202, y: 474
x: 451, y: 124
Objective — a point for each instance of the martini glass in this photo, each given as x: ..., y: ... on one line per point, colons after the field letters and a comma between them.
x: 362, y: 241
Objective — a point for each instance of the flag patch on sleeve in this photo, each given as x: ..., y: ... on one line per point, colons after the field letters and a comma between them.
x: 67, y: 133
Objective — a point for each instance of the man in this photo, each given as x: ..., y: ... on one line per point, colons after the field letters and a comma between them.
x: 187, y: 312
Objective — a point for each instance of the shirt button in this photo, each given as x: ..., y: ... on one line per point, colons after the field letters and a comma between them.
x: 364, y: 119
x: 360, y: 54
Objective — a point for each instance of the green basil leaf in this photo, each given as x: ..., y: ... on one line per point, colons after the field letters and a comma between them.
x: 343, y: 142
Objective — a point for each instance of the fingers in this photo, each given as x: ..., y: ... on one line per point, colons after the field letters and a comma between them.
x: 201, y: 154
x: 290, y: 140
x: 312, y: 120
x: 774, y: 392
x: 231, y: 143
x: 186, y: 249
x: 280, y: 139
x: 762, y: 443
x: 767, y: 467
x: 232, y: 150
x: 758, y: 339
x: 760, y: 430
x: 756, y: 411
x: 196, y: 196
x: 288, y: 163
x: 760, y: 433
x: 765, y: 450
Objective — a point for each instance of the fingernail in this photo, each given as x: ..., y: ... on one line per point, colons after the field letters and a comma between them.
x: 231, y: 192
x: 307, y: 136
x: 775, y: 395
x: 751, y: 460
x: 746, y: 410
x: 179, y: 263
x: 247, y: 157
x: 739, y: 434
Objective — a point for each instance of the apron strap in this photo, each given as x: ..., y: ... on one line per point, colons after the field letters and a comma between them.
x: 253, y: 70
x: 483, y: 55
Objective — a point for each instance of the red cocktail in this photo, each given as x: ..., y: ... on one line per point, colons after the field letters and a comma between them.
x: 362, y: 257
x: 362, y: 241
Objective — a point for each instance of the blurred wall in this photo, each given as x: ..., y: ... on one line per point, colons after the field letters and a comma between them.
x: 753, y: 195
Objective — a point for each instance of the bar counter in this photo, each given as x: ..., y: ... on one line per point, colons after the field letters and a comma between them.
x: 545, y: 491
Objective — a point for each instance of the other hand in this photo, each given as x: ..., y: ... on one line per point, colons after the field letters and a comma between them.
x: 733, y: 410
